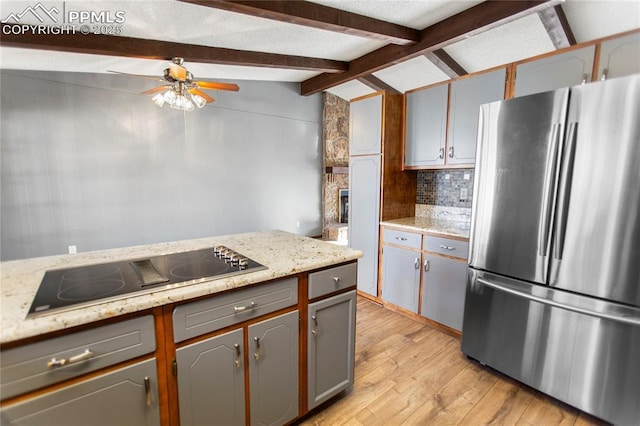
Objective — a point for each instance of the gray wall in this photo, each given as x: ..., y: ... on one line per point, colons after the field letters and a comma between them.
x: 87, y: 161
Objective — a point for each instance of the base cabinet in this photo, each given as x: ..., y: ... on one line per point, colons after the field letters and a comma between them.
x: 211, y: 381
x: 273, y: 370
x: 401, y: 277
x: 211, y: 375
x: 444, y: 288
x: 332, y: 327
x: 128, y: 396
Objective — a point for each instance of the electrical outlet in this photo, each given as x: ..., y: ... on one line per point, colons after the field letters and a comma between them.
x: 73, y: 249
x: 297, y: 224
x: 463, y: 194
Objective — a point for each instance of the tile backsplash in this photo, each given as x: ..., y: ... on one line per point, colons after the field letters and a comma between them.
x: 451, y: 187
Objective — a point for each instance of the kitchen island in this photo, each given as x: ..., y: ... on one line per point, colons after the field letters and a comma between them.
x: 278, y: 328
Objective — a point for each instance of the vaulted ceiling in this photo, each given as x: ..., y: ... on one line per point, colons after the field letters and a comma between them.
x: 347, y: 47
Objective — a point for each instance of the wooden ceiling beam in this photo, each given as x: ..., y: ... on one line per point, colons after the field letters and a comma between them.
x: 376, y: 84
x: 472, y: 21
x: 557, y: 26
x: 446, y: 63
x: 318, y: 16
x: 155, y: 49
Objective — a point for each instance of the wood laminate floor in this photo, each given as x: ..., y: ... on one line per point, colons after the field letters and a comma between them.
x: 408, y: 373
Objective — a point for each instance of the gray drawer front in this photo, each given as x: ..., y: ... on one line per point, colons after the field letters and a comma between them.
x: 25, y: 368
x: 117, y: 398
x: 194, y: 319
x: 446, y: 246
x: 402, y: 238
x: 330, y: 280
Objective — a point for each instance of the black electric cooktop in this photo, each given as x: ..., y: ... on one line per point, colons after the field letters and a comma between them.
x: 70, y: 288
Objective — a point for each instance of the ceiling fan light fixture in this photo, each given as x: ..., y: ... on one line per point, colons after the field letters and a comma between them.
x: 198, y: 100
x: 158, y: 99
x: 182, y: 103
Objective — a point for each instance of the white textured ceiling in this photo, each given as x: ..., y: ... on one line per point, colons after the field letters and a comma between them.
x: 186, y: 23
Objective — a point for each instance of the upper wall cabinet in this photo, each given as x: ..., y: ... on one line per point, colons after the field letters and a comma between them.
x: 426, y: 127
x: 553, y: 72
x: 619, y: 57
x: 365, y: 126
x: 467, y: 95
x: 427, y: 142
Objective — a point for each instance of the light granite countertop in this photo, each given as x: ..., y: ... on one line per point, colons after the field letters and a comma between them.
x: 444, y: 227
x: 283, y: 253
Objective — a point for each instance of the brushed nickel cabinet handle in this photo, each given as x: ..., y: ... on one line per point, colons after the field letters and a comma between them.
x: 314, y: 330
x: 87, y: 354
x: 416, y: 263
x: 256, y: 355
x: 604, y: 74
x: 441, y: 153
x: 585, y: 77
x: 426, y: 265
x: 401, y: 238
x: 450, y: 152
x: 238, y: 354
x: 442, y: 246
x: 147, y: 391
x: 336, y: 280
x: 238, y: 309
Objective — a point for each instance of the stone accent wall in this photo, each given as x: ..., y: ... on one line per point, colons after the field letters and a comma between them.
x: 335, y: 119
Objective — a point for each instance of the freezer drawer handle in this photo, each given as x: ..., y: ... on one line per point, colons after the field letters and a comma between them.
x: 87, y: 354
x: 442, y: 246
x: 623, y: 319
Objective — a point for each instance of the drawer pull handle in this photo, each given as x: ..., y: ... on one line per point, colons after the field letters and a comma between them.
x: 238, y: 354
x: 336, y: 280
x: 314, y: 330
x: 447, y: 247
x: 87, y: 354
x: 257, y: 354
x: 238, y: 309
x: 401, y: 238
x: 147, y: 391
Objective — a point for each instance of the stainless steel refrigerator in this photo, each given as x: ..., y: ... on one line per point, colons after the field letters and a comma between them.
x: 553, y: 295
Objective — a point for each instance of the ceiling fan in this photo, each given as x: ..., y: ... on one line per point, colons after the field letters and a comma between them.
x: 181, y: 91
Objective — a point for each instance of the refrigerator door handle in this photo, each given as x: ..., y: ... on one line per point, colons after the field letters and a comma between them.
x: 568, y: 307
x: 564, y: 193
x: 549, y: 186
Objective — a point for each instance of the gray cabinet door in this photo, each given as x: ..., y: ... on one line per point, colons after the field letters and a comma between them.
x: 401, y: 277
x: 364, y: 218
x: 554, y: 72
x: 619, y: 57
x: 273, y: 370
x: 118, y: 398
x: 365, y: 126
x: 466, y: 97
x: 331, y: 355
x: 444, y: 290
x: 211, y: 381
x: 426, y: 126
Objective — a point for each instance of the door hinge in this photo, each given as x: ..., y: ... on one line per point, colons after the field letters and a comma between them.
x: 174, y: 367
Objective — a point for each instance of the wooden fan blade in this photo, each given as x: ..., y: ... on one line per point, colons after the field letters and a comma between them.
x: 221, y: 86
x: 178, y: 72
x: 156, y: 89
x: 138, y: 75
x: 206, y: 97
